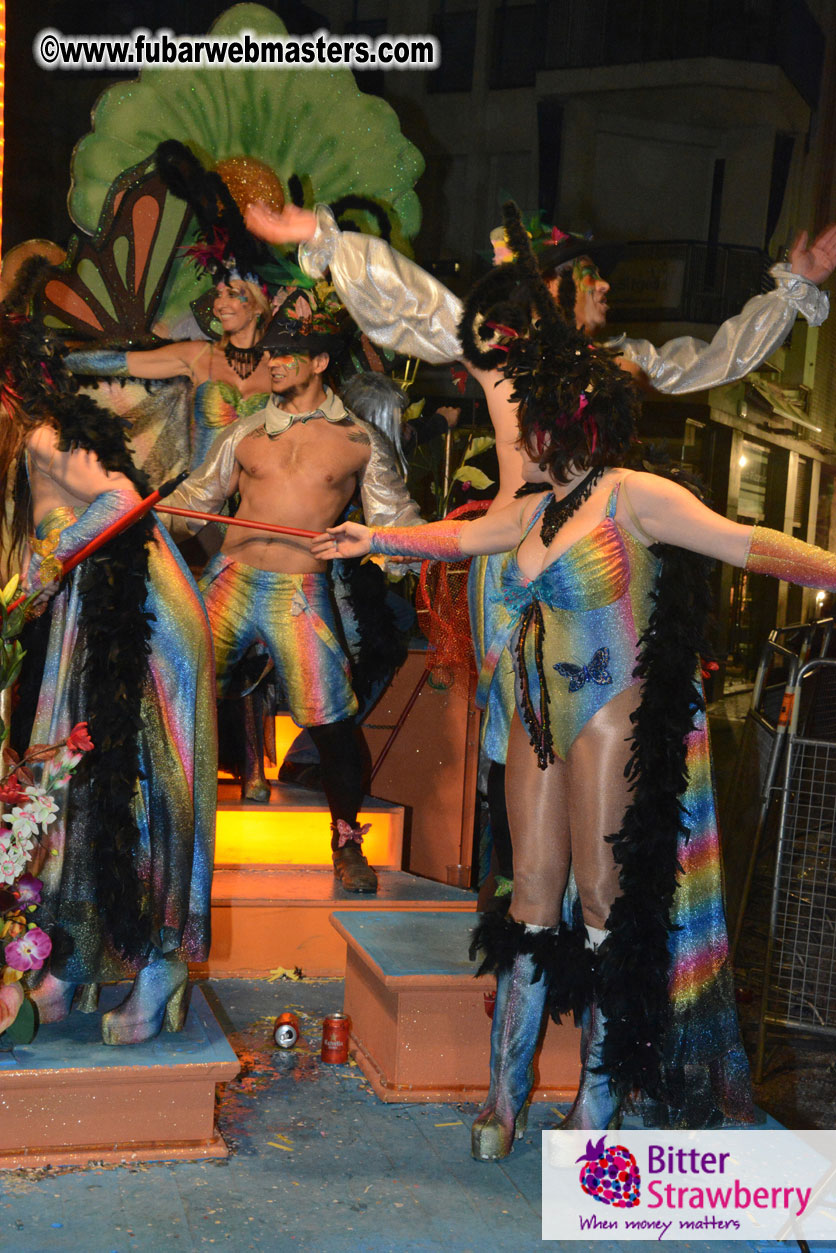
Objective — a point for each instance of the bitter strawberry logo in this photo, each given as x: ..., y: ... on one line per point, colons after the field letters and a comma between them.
x: 610, y: 1175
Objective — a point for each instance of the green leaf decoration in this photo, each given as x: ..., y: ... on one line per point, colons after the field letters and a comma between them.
x: 474, y: 476
x: 24, y: 1027
x: 479, y: 444
x: 315, y: 124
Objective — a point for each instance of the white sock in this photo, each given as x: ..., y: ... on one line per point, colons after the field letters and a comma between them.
x: 595, y: 937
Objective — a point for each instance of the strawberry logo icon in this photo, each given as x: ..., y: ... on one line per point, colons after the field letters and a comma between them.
x: 610, y: 1175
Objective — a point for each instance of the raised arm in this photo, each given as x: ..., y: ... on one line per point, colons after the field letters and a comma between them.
x: 669, y: 513
x: 396, y: 303
x: 743, y: 342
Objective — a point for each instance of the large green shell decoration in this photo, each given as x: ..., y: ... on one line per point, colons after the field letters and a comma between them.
x: 315, y: 124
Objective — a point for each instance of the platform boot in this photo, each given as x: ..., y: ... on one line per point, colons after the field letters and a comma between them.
x: 54, y: 997
x: 511, y: 950
x: 159, y: 996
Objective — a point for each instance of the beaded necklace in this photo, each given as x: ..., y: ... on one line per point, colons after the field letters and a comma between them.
x: 558, y: 512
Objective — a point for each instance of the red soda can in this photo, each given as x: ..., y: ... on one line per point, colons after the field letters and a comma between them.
x: 286, y: 1030
x: 335, y: 1039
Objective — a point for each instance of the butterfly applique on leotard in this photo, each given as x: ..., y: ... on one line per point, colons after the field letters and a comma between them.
x: 595, y: 672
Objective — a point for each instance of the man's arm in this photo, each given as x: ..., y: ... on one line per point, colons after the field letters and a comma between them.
x: 212, y: 482
x: 383, y: 492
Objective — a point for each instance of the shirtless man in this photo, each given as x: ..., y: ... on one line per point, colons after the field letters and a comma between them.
x: 297, y: 462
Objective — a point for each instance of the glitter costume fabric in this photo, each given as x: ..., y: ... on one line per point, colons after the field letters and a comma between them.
x: 599, y: 595
x: 445, y: 544
x: 174, y: 805
x: 593, y: 603
x: 293, y: 616
x: 216, y: 405
x: 785, y: 557
x: 489, y: 620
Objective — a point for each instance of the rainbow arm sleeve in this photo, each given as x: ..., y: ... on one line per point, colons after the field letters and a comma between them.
x: 788, y: 558
x: 436, y: 541
x: 100, y: 362
x: 50, y: 552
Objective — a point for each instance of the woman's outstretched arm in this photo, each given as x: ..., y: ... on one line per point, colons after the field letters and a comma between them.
x: 494, y: 532
x: 673, y: 515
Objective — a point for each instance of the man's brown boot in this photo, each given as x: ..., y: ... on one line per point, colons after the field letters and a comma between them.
x: 350, y: 864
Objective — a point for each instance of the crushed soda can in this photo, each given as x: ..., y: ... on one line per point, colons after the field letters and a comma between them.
x: 286, y: 1030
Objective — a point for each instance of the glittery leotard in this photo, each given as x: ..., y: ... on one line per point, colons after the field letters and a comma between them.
x: 598, y: 595
x: 216, y: 405
x: 574, y: 629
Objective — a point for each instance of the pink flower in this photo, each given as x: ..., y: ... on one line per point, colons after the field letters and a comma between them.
x: 11, y: 999
x: 78, y: 741
x: 30, y: 951
x: 28, y: 890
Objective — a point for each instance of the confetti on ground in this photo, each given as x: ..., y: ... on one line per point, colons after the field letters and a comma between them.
x: 287, y: 1147
x: 457, y: 1123
x: 284, y: 972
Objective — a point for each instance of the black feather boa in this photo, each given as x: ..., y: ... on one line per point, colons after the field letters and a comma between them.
x: 114, y: 639
x: 632, y: 966
x: 382, y: 648
x: 498, y: 938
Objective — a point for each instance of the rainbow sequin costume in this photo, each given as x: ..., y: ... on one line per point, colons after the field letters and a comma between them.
x: 174, y: 804
x: 578, y: 628
x: 216, y: 405
x: 293, y: 616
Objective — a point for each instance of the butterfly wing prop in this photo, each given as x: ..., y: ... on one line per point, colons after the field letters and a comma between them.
x: 110, y: 286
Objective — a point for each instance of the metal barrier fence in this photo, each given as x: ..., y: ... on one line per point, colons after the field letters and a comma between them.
x: 799, y: 984
x: 781, y: 805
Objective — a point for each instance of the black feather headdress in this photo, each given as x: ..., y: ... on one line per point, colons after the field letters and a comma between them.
x: 227, y: 249
x: 577, y: 409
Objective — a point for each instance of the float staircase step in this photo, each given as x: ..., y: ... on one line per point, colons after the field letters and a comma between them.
x: 294, y: 828
x: 266, y: 917
x: 419, y: 1026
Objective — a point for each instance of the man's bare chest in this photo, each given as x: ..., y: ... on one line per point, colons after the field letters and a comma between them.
x: 314, y: 451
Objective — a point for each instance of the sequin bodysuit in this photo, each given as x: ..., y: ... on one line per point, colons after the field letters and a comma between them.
x: 577, y: 628
x: 598, y: 595
x: 216, y: 406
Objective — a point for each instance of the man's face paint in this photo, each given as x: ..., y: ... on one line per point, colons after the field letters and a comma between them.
x: 590, y: 295
x: 290, y: 371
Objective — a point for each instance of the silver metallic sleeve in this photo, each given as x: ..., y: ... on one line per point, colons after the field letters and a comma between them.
x: 383, y: 492
x: 396, y: 303
x: 741, y: 343
x: 209, y: 485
